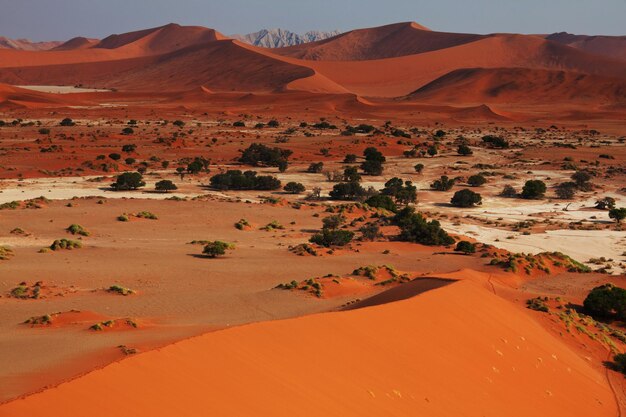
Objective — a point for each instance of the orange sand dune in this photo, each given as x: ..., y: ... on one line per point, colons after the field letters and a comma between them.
x: 376, y: 43
x: 395, y: 77
x: 14, y: 97
x: 521, y: 85
x: 455, y: 351
x: 610, y: 46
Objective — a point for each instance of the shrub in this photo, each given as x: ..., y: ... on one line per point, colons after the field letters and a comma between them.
x: 60, y: 244
x: 442, y: 184
x: 130, y: 161
x: 465, y: 198
x: 374, y: 161
x: 432, y: 150
x: 5, y: 253
x: 44, y: 131
x: 347, y: 191
x: 120, y: 290
x: 216, y: 248
x: 178, y: 123
x: 258, y: 154
x: 165, y: 186
x: 67, y: 122
x: 508, y: 191
x: 495, y: 141
x: 618, y: 214
x: 146, y: 215
x: 349, y: 158
x: 77, y: 229
x: 237, y: 180
x: 273, y: 123
x: 123, y: 218
x: 239, y: 124
x: 419, y: 168
x: 294, y: 187
x: 465, y: 247
x: 606, y: 203
x: 127, y: 131
x: 330, y: 238
x: 619, y: 363
x: 537, y: 304
x: 476, y: 180
x: 273, y: 225
x: 565, y: 190
x: 464, y: 150
x: 371, y: 231
x: 581, y: 180
x: 414, y: 228
x: 404, y: 192
x: 128, y: 148
x: 242, y: 224
x: 351, y: 174
x: 128, y: 181
x: 334, y: 222
x: 534, y: 190
x: 606, y: 301
x: 382, y: 201
x: 315, y: 168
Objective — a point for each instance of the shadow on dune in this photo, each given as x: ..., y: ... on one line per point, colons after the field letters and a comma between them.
x: 402, y: 292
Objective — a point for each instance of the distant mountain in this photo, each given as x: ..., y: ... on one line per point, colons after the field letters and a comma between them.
x: 611, y: 46
x: 279, y: 38
x: 26, y: 45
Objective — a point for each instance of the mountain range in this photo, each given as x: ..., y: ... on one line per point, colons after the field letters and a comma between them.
x: 279, y: 38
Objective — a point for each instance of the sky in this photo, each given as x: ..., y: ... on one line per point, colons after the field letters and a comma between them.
x: 63, y: 19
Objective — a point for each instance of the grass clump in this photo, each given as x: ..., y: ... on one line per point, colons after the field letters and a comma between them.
x: 242, y: 224
x: 538, y: 304
x: 273, y: 225
x: 46, y: 319
x: 123, y: 218
x: 217, y: 248
x: 146, y: 215
x: 5, y: 253
x: 117, y: 289
x: 11, y: 205
x: 61, y: 244
x: 77, y: 229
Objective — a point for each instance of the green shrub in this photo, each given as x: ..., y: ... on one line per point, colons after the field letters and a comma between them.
x: 146, y: 215
x: 330, y: 238
x: 5, y: 253
x: 128, y: 181
x: 606, y: 301
x: 77, y: 229
x: 120, y: 290
x: 442, y: 184
x: 414, y: 228
x: 61, y: 244
x: 465, y: 198
x: 242, y: 224
x: 534, y: 190
x: 465, y: 247
x: 217, y: 248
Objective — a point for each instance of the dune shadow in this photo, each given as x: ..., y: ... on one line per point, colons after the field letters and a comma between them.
x: 402, y: 292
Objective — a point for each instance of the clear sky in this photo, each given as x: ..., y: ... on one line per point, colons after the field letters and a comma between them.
x: 64, y: 19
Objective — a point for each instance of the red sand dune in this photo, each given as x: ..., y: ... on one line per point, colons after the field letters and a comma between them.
x: 14, y: 97
x: 455, y: 351
x: 76, y: 43
x: 610, y: 46
x: 521, y: 85
x: 377, y: 43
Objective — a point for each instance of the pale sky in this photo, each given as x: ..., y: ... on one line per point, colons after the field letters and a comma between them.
x: 64, y: 19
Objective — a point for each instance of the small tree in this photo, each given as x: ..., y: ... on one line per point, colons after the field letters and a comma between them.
x: 432, y: 150
x: 476, y: 180
x: 466, y: 198
x: 508, y: 191
x: 330, y: 238
x: 534, y: 190
x: 464, y: 150
x: 294, y: 187
x: 115, y: 156
x: 617, y: 214
x: 334, y: 222
x: 67, y: 122
x: 351, y: 174
x: 217, y: 248
x: 419, y: 168
x: 565, y: 190
x: 465, y: 247
x: 382, y: 201
x: 350, y: 158
x: 165, y: 186
x: 581, y: 179
x: 316, y: 168
x: 127, y: 131
x: 442, y: 184
x: 128, y: 181
x: 606, y: 203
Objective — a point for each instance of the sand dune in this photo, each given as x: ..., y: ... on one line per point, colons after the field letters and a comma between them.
x: 610, y: 46
x: 76, y: 43
x: 377, y: 43
x: 351, y: 364
x: 14, y: 97
x: 521, y: 85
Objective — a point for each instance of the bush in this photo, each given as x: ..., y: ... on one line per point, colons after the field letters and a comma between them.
x: 581, y: 179
x: 606, y: 203
x: 606, y: 301
x: 122, y: 218
x: 128, y: 181
x: 178, y: 123
x: 330, y: 238
x: 619, y: 363
x: 464, y: 150
x: 67, y: 122
x: 146, y: 215
x: 465, y: 247
x: 77, y: 229
x: 508, y: 191
x: 60, y: 244
x: 495, y: 141
x: 239, y: 124
x: 534, y: 190
x: 44, y: 131
x: 334, y: 222
x: 127, y: 131
x: 465, y: 198
x: 216, y: 248
x: 120, y: 290
x: 315, y: 168
x: 131, y: 147
x: 165, y: 186
x: 347, y: 191
x: 273, y: 123
x: 565, y: 190
x: 371, y: 231
x: 258, y: 154
x: 442, y: 184
x: 404, y: 192
x: 382, y: 201
x: 419, y: 168
x: 237, y: 180
x: 414, y: 228
x: 350, y: 158
x: 618, y: 214
x: 351, y: 174
x: 242, y: 224
x: 476, y: 180
x: 115, y: 156
x: 294, y: 188
x: 374, y: 161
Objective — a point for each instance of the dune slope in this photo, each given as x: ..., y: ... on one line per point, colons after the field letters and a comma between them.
x: 454, y: 351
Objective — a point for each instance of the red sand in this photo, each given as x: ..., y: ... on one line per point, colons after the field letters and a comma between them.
x: 350, y: 364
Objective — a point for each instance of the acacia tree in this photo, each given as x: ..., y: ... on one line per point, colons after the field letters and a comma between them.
x: 165, y: 186
x: 128, y: 181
